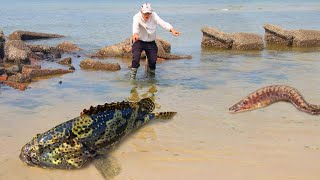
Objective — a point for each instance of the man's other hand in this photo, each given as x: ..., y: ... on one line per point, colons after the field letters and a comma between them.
x: 174, y: 32
x: 135, y: 37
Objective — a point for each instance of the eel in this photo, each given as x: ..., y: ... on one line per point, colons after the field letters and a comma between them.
x: 275, y: 93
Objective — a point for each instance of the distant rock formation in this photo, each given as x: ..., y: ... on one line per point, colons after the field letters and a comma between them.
x: 97, y: 65
x: 27, y: 35
x: 296, y: 38
x: 237, y: 41
x: 123, y: 49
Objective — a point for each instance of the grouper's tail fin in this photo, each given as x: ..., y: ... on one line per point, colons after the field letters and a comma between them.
x: 164, y: 115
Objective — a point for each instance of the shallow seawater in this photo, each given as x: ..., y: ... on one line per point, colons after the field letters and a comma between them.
x: 276, y: 142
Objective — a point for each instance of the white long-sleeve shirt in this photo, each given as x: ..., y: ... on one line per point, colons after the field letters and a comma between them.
x: 147, y: 29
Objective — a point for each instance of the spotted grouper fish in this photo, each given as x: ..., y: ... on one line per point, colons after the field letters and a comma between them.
x: 271, y: 94
x: 74, y: 143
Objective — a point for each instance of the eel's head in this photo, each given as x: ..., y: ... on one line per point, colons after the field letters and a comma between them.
x: 242, y: 106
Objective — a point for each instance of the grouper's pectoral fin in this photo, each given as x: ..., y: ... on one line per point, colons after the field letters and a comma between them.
x: 75, y: 154
x: 164, y: 115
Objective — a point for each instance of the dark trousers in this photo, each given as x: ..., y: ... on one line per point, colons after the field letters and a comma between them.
x: 151, y: 50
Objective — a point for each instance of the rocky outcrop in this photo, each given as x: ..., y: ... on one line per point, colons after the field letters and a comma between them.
x: 17, y: 51
x: 27, y: 35
x: 68, y: 47
x: 296, y: 38
x: 237, y: 41
x: 97, y: 65
x: 123, y: 49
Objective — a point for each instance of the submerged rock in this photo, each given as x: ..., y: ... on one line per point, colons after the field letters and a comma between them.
x: 97, y: 65
x: 238, y: 41
x: 297, y: 38
x: 34, y: 73
x: 123, y: 49
x: 27, y: 35
x: 16, y: 85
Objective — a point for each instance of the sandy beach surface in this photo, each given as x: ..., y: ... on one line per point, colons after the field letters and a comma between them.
x: 203, y: 141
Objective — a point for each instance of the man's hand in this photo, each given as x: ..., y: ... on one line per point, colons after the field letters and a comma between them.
x: 135, y: 37
x: 174, y: 32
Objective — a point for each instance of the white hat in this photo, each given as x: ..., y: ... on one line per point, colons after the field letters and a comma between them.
x: 146, y: 8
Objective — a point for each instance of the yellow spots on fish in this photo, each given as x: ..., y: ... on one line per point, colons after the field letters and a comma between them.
x: 81, y: 126
x: 56, y: 135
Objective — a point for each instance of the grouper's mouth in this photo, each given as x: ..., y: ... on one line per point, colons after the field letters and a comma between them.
x: 26, y: 159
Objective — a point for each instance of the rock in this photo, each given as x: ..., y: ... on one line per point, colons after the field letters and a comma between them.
x: 215, y: 38
x: 20, y: 78
x: 68, y: 47
x: 123, y: 49
x: 165, y: 44
x: 237, y: 41
x: 247, y: 41
x: 15, y: 85
x: 2, y: 70
x: 97, y: 65
x: 277, y: 35
x: 33, y: 73
x: 306, y: 38
x: 72, y: 67
x: 41, y: 48
x: 17, y: 51
x: 2, y: 40
x: 3, y: 77
x: 27, y: 35
x: 15, y: 68
x: 65, y: 61
x: 297, y: 38
x: 26, y: 69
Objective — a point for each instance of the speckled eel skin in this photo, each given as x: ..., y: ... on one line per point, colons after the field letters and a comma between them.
x: 74, y: 143
x: 271, y: 94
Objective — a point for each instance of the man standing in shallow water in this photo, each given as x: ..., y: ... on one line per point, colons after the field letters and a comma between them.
x: 144, y: 35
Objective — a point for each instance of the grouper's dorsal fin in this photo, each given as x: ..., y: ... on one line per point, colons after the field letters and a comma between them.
x: 147, y: 104
x: 107, y: 106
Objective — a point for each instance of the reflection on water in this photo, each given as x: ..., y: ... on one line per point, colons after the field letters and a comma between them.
x: 150, y: 93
